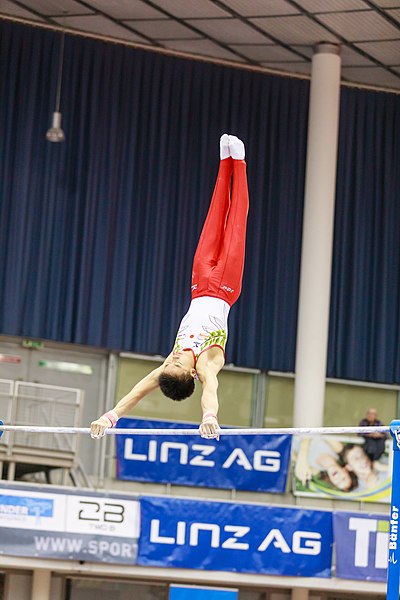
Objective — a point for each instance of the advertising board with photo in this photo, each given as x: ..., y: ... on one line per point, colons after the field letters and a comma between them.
x: 339, y: 467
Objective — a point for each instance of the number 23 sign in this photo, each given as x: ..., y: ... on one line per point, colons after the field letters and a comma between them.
x: 105, y: 516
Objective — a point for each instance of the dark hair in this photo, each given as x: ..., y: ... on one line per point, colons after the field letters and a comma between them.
x: 324, y: 477
x: 345, y: 450
x: 176, y: 387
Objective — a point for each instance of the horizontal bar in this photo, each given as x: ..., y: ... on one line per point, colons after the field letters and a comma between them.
x: 195, y: 430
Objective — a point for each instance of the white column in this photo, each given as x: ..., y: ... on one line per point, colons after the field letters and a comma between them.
x: 41, y: 583
x: 299, y: 594
x: 316, y: 257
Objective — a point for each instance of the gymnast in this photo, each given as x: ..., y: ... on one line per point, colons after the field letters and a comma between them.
x: 199, y: 349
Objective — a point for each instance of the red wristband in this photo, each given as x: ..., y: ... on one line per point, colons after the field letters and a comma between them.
x: 112, y: 416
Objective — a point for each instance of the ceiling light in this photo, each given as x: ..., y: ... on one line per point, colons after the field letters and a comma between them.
x: 55, y: 133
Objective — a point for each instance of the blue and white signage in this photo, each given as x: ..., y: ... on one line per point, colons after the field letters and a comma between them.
x: 52, y: 524
x: 361, y: 545
x: 235, y: 537
x: 254, y: 462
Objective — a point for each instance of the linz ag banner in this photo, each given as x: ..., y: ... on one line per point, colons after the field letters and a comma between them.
x: 257, y: 463
x: 246, y: 538
x: 362, y: 541
x: 51, y: 524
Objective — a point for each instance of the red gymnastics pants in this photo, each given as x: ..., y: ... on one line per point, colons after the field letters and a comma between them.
x: 219, y: 260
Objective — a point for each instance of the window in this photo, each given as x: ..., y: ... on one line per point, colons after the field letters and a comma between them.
x: 235, y: 393
x: 279, y: 402
x: 345, y: 403
x: 91, y: 589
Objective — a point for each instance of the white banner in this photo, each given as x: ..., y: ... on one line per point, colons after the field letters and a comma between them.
x: 54, y: 524
x: 105, y: 516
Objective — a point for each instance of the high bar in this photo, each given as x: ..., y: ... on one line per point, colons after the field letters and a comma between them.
x: 307, y: 431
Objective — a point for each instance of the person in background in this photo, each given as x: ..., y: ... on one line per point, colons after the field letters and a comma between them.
x: 374, y: 444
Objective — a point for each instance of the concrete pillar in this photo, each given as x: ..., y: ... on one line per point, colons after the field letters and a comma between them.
x: 318, y: 221
x: 299, y: 594
x: 41, y: 583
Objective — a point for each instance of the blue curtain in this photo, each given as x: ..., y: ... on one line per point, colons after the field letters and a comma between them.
x: 98, y: 233
x: 365, y: 306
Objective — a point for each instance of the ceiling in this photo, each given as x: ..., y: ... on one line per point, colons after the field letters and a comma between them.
x: 267, y: 34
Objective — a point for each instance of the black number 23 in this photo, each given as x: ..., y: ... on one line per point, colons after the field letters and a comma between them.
x: 94, y: 511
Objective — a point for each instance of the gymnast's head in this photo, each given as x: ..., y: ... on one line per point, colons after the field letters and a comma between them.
x: 177, y: 379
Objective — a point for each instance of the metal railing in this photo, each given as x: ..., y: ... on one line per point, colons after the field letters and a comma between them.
x: 39, y: 404
x: 26, y: 403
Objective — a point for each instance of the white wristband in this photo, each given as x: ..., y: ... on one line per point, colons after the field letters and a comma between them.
x: 207, y: 415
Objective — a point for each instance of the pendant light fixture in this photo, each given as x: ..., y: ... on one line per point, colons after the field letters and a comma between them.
x: 56, y: 133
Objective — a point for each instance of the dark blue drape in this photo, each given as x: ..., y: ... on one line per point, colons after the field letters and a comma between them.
x: 98, y: 233
x: 365, y: 307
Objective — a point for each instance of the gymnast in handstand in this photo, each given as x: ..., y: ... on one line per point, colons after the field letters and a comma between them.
x: 199, y: 349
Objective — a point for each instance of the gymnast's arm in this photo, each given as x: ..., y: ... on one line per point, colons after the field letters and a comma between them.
x: 207, y: 371
x: 145, y: 386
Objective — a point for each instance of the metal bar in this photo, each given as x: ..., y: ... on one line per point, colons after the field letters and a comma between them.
x: 195, y: 431
x: 394, y: 542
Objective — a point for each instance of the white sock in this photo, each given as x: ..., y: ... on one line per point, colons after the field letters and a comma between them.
x: 236, y: 148
x: 224, y: 146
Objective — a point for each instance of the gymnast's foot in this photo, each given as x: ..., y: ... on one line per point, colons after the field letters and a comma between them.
x: 224, y: 146
x: 236, y: 147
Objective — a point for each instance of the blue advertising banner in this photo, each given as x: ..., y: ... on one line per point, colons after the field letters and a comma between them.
x: 257, y: 463
x: 249, y: 538
x: 361, y: 545
x: 183, y: 592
